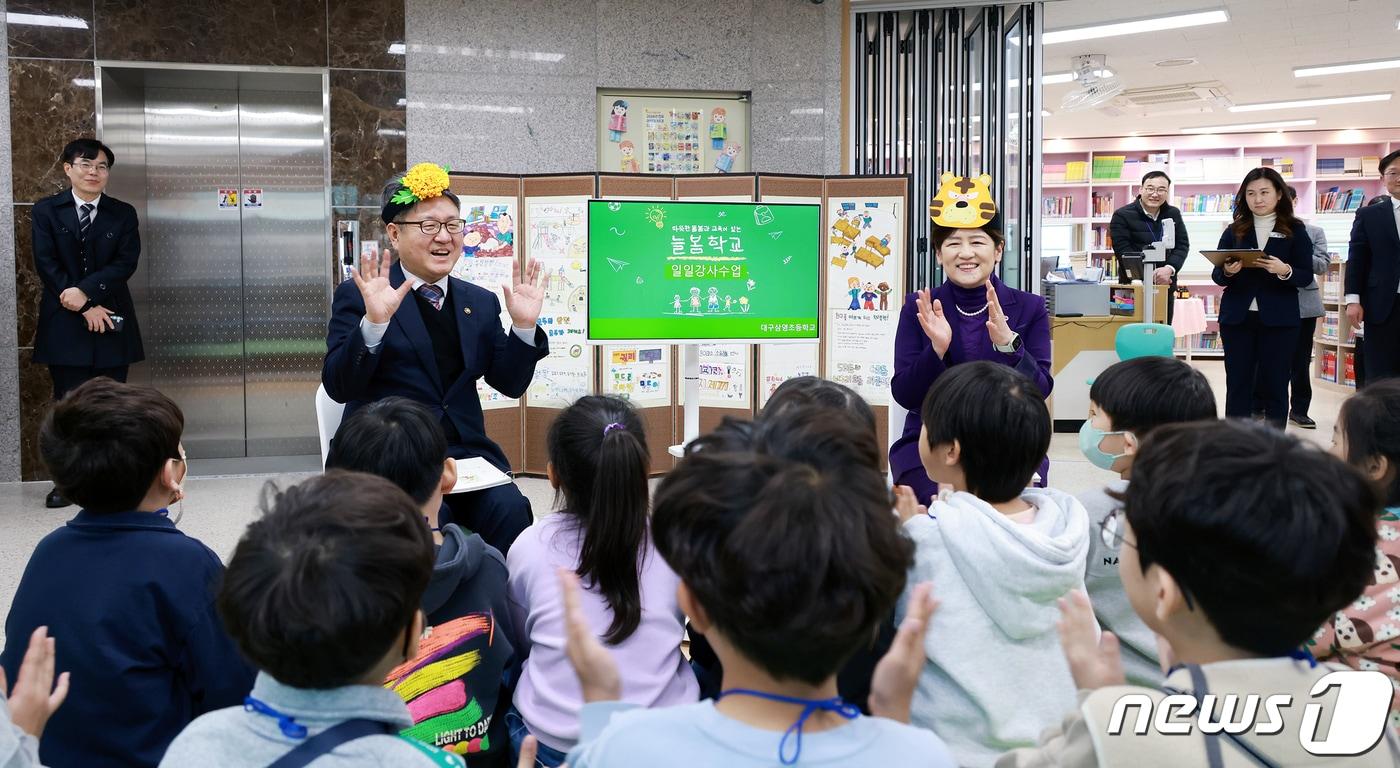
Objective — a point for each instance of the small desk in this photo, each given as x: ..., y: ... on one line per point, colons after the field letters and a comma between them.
x: 1081, y: 348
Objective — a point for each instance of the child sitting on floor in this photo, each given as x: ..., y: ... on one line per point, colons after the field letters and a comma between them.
x: 322, y: 594
x: 1237, y: 541
x: 1126, y: 402
x: 454, y: 684
x: 787, y: 570
x: 1364, y: 635
x: 1000, y: 554
x: 598, y: 464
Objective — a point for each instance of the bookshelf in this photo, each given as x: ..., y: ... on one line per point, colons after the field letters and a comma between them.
x: 1333, y: 171
x: 1334, y: 344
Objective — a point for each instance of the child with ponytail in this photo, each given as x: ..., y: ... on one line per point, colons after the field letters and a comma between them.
x: 598, y: 465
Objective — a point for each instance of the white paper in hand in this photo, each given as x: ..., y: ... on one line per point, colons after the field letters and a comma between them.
x: 476, y: 474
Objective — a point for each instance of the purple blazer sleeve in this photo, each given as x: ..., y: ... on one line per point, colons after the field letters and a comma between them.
x: 916, y: 365
x: 1033, y: 358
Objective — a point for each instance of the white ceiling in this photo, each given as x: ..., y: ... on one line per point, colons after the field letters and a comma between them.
x: 1253, y: 55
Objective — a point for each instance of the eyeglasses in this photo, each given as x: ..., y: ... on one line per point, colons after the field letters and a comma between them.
x: 87, y: 167
x: 1391, y: 175
x: 1154, y: 190
x: 1111, y: 530
x: 432, y: 226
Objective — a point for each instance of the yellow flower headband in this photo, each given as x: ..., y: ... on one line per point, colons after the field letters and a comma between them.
x: 423, y: 181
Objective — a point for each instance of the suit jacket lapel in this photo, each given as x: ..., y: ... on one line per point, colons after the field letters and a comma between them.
x: 466, y: 326
x: 411, y: 323
x: 68, y: 213
x: 1388, y: 223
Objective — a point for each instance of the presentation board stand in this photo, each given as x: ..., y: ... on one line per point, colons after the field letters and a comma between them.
x: 690, y: 410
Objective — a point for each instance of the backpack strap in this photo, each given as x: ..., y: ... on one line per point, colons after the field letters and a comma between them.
x: 1213, y: 740
x: 329, y: 739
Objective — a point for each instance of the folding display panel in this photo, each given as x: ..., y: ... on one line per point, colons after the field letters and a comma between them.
x: 554, y: 233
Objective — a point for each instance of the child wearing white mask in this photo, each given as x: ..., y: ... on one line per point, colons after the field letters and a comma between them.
x: 1126, y: 402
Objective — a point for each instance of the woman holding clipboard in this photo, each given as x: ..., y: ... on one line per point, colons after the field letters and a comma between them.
x: 1259, y: 308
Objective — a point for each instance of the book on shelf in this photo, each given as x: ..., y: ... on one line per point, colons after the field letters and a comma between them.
x: 1284, y: 165
x: 1329, y: 327
x: 1334, y: 200
x: 1103, y: 241
x: 1349, y: 369
x: 1207, y: 203
x: 1332, y: 282
x: 1060, y: 207
x: 1103, y: 204
x: 1076, y: 170
x: 1206, y: 341
x: 1345, y: 166
x: 1327, y: 365
x: 1108, y: 167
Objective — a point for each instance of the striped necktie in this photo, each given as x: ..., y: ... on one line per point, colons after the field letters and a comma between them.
x: 84, y: 220
x: 432, y: 293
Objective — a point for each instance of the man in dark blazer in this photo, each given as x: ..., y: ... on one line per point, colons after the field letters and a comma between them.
x: 1373, y: 275
x: 434, y: 345
x: 1149, y: 219
x: 86, y: 246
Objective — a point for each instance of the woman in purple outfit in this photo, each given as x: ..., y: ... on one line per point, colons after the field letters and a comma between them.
x: 971, y: 316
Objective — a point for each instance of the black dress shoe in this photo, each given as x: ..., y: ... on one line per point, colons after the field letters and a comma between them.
x: 55, y: 500
x: 1302, y: 421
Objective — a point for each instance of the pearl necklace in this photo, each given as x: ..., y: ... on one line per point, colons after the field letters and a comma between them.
x: 965, y: 313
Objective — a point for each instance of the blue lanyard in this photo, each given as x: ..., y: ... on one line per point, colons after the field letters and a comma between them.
x: 809, y: 707
x: 289, y: 725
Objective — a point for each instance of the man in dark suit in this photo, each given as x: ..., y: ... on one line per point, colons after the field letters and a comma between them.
x: 86, y: 246
x: 434, y: 346
x: 1149, y: 219
x: 1373, y: 275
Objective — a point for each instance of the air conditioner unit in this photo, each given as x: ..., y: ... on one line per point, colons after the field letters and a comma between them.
x: 1185, y: 98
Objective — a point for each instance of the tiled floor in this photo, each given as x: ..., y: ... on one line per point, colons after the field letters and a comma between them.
x: 218, y: 508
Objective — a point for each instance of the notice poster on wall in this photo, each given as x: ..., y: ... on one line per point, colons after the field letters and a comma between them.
x: 673, y: 141
x: 641, y: 374
x: 488, y: 250
x: 779, y: 362
x: 725, y: 373
x: 863, y: 294
x: 556, y: 236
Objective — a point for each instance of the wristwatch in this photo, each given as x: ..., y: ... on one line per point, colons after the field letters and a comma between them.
x: 1013, y: 347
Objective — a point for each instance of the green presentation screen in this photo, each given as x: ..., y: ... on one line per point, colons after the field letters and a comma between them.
x: 688, y: 272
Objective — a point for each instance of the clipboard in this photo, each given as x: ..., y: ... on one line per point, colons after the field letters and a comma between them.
x: 1246, y: 255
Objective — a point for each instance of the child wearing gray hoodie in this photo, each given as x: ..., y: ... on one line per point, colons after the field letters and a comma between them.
x: 1000, y: 555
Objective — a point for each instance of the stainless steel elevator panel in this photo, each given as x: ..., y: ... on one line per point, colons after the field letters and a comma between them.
x: 233, y: 297
x: 285, y: 270
x: 192, y: 249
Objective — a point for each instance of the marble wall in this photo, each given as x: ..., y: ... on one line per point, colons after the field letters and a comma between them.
x: 50, y: 74
x: 512, y: 87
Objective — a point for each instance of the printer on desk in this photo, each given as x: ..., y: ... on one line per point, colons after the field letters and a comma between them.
x: 1078, y: 298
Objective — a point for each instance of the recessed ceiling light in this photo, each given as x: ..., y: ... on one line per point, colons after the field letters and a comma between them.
x: 1174, y: 62
x: 397, y: 49
x: 1310, y: 102
x: 1118, y: 28
x: 1338, y: 69
x: 1250, y: 126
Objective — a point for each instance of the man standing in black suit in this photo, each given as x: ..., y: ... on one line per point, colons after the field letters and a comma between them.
x: 1149, y: 219
x: 1373, y: 275
x: 86, y: 246
x: 413, y: 330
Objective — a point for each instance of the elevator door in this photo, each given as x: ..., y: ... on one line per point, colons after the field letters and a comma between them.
x: 236, y: 285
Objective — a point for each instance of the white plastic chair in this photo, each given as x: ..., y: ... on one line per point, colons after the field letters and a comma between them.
x: 328, y: 414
